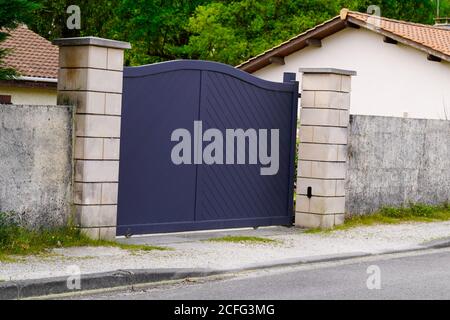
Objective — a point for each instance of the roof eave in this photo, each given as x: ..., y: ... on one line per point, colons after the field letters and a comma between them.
x: 322, y: 31
x: 30, y: 82
x: 36, y: 79
x: 295, y: 44
x: 399, y: 39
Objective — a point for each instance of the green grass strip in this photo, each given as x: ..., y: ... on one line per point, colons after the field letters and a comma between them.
x: 242, y: 239
x: 16, y: 240
x: 390, y: 215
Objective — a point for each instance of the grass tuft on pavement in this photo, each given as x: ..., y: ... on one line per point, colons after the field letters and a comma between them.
x: 242, y: 239
x: 390, y: 215
x: 16, y: 240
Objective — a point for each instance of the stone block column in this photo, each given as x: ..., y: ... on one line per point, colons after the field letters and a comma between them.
x: 90, y: 78
x: 322, y: 167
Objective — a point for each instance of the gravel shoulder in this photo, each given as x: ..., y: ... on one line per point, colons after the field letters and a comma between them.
x: 192, y: 251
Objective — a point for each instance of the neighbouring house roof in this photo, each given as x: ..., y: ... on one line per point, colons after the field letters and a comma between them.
x: 433, y: 40
x: 32, y: 56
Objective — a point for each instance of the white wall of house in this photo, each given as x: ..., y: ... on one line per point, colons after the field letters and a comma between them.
x: 30, y: 96
x: 393, y: 80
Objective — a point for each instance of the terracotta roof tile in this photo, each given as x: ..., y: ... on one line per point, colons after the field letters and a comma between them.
x: 31, y: 55
x: 434, y: 40
x: 430, y: 36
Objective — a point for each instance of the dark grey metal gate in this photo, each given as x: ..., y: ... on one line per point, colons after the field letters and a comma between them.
x: 156, y: 195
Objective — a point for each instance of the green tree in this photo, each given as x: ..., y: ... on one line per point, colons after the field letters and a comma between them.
x: 444, y: 9
x: 233, y: 31
x: 156, y: 28
x: 422, y: 11
x: 12, y: 13
x: 228, y: 31
x: 98, y: 18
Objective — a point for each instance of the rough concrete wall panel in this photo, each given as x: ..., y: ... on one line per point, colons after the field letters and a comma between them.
x: 393, y: 161
x: 35, y: 163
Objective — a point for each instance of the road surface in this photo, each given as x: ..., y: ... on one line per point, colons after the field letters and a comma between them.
x: 419, y: 275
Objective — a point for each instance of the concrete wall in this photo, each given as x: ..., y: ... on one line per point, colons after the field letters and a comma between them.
x: 36, y: 163
x: 30, y: 96
x: 392, y: 79
x: 393, y: 161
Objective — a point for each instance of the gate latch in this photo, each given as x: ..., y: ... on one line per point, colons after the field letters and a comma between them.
x: 309, y: 192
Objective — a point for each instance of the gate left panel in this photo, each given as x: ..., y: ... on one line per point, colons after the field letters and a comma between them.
x: 153, y: 192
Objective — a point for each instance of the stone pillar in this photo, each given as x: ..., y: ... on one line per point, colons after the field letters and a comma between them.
x: 324, y: 118
x: 90, y: 77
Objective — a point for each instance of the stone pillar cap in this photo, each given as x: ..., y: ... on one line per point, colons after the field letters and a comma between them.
x: 328, y: 71
x: 91, y: 41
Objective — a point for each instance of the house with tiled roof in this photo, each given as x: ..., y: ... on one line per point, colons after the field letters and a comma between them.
x: 36, y: 61
x: 403, y: 68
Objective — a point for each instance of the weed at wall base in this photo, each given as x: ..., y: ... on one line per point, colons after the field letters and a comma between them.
x: 17, y: 240
x: 391, y: 215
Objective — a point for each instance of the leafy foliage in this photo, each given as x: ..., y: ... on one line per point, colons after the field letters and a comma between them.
x: 156, y: 28
x: 12, y: 13
x: 422, y: 11
x: 97, y: 18
x: 232, y: 32
x: 228, y: 31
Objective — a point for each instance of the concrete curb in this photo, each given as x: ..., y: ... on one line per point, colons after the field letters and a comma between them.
x: 50, y: 286
x: 438, y: 244
x: 121, y: 278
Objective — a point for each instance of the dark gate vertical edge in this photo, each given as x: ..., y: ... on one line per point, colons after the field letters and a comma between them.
x: 290, y: 78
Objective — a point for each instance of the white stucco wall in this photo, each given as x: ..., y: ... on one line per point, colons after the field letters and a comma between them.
x: 30, y: 96
x: 392, y: 79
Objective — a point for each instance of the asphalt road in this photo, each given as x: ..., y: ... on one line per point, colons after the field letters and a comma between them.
x: 424, y: 275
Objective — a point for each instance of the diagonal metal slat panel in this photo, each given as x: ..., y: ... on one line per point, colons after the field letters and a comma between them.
x: 224, y: 106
